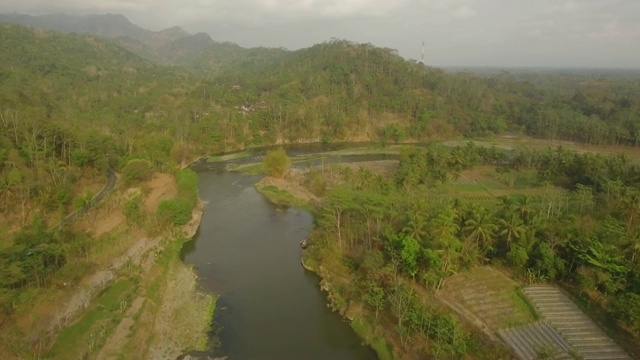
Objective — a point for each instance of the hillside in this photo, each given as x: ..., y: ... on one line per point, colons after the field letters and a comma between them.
x: 341, y: 82
x: 344, y: 90
x: 66, y: 102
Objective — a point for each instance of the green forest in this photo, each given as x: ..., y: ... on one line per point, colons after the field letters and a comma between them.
x: 567, y: 218
x: 74, y: 107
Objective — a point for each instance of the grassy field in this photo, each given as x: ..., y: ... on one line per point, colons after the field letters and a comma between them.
x: 484, y: 185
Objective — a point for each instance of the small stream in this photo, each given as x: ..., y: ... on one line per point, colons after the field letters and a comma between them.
x: 247, y: 251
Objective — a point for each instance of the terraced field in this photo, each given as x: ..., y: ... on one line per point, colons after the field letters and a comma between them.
x: 535, y: 341
x: 490, y: 297
x: 581, y: 333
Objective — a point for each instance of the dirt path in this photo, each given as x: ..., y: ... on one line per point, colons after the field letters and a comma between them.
x: 112, y: 178
x: 112, y: 347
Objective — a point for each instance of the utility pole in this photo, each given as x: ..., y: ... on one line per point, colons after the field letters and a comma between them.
x: 422, y: 57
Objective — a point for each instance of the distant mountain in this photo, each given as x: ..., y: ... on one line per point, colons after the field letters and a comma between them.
x: 108, y: 26
x: 169, y: 46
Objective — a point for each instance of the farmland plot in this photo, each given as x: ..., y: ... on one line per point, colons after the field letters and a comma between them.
x: 490, y: 296
x: 484, y: 184
x: 490, y: 300
x: 580, y: 332
x: 536, y: 341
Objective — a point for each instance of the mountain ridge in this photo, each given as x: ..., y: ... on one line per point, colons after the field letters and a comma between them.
x: 173, y: 45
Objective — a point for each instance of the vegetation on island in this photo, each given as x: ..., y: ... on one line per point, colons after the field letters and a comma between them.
x: 276, y: 163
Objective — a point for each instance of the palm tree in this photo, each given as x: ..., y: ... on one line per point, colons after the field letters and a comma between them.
x: 524, y: 208
x: 632, y: 204
x: 480, y: 228
x: 506, y: 205
x: 632, y: 247
x: 613, y: 189
x: 364, y: 178
x: 449, y: 252
x: 444, y: 225
x: 511, y: 228
x: 5, y: 194
x: 416, y: 226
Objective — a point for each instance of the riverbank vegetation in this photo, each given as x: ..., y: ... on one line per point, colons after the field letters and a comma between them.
x: 387, y: 245
x: 73, y: 106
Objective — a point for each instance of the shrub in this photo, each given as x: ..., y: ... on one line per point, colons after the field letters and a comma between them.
x: 187, y: 182
x: 317, y: 183
x: 132, y: 210
x: 177, y: 211
x: 626, y: 307
x: 137, y: 170
x: 276, y: 163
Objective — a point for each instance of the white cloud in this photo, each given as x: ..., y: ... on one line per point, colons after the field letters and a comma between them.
x: 520, y: 32
x: 534, y: 33
x: 613, y: 31
x: 334, y: 8
x: 570, y: 6
x: 464, y: 12
x: 279, y: 8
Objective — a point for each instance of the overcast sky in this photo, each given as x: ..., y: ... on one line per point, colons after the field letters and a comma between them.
x: 582, y: 33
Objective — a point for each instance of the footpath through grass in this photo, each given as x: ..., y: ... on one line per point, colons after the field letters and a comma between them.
x: 89, y: 332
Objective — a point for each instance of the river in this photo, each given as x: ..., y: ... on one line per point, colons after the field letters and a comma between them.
x: 247, y: 252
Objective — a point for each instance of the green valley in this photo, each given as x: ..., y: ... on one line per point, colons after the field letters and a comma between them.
x: 493, y: 182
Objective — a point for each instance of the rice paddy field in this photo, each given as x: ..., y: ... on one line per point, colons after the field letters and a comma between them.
x: 484, y: 185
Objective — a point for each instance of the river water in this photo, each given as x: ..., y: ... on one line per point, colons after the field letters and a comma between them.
x: 247, y: 251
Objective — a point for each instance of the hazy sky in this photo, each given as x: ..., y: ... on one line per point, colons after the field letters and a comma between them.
x: 590, y: 33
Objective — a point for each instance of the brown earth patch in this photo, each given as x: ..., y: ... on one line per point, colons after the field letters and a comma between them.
x: 107, y: 222
x: 161, y: 187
